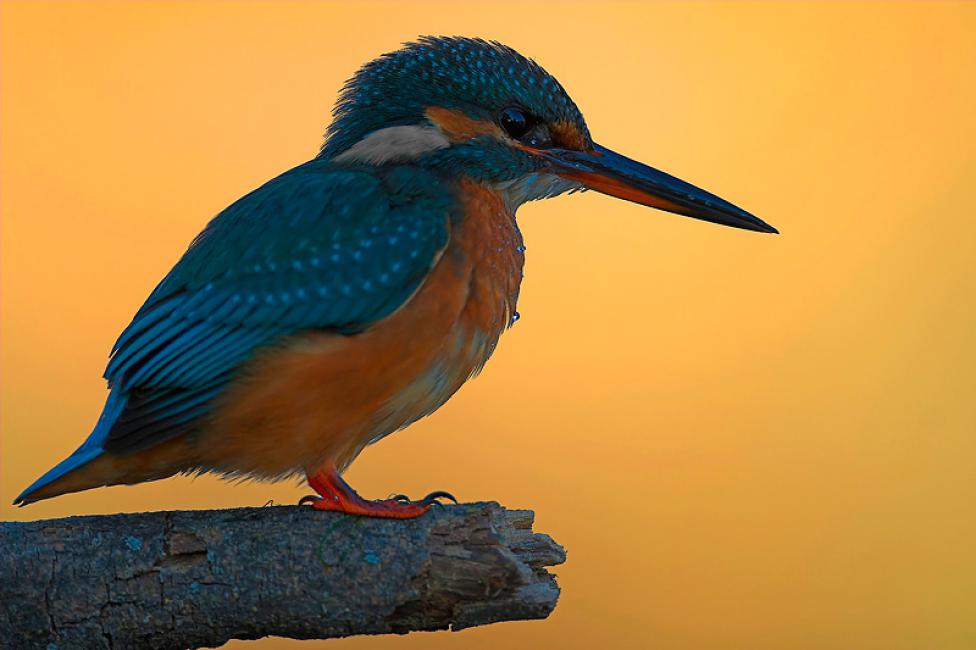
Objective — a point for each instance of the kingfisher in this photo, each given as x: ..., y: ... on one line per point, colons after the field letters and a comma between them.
x: 355, y: 293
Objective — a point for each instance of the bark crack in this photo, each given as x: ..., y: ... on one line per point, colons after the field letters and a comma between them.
x: 200, y: 578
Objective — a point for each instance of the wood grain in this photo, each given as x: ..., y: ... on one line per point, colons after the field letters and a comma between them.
x: 200, y: 578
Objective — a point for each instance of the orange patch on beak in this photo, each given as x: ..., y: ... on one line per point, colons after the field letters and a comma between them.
x: 613, y: 187
x: 458, y: 127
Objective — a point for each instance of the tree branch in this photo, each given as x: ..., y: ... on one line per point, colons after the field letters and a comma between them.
x: 199, y: 578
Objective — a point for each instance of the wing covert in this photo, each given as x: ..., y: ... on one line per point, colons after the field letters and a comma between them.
x: 308, y: 250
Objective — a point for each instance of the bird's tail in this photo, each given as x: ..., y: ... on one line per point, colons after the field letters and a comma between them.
x: 58, y: 479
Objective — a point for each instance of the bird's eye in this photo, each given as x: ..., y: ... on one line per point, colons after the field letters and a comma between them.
x: 515, y: 122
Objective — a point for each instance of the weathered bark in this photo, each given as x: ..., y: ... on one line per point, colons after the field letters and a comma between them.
x: 199, y: 578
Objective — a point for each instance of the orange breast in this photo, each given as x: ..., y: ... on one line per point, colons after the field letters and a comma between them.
x: 322, y: 398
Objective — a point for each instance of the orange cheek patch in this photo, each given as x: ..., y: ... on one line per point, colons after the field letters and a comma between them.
x: 567, y: 136
x: 458, y: 127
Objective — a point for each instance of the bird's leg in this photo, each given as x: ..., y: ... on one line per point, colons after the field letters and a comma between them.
x: 336, y: 495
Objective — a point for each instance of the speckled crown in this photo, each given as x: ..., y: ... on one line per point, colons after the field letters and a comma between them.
x: 477, y: 76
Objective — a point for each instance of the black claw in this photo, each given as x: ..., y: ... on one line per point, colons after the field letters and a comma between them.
x: 309, y: 499
x: 440, y: 494
x: 402, y: 498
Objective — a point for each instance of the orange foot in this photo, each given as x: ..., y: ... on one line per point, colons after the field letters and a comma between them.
x: 336, y: 495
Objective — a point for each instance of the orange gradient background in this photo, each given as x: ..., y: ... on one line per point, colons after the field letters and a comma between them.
x: 744, y: 441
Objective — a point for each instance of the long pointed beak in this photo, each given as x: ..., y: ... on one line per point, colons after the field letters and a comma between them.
x: 610, y: 173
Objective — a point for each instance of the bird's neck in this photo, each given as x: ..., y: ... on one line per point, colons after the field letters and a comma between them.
x: 532, y: 188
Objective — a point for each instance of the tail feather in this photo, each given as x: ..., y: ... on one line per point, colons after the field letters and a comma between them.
x: 87, y: 452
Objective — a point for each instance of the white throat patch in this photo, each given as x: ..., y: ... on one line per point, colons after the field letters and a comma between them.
x: 395, y: 144
x: 534, y: 187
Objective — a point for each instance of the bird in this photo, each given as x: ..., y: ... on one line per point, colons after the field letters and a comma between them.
x: 354, y: 294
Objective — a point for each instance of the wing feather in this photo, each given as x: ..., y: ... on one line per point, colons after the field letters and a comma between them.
x: 312, y: 249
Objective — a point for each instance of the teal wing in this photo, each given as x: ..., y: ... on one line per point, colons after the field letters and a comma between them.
x: 310, y: 250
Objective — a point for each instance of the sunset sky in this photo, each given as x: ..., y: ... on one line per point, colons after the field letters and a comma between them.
x: 744, y: 441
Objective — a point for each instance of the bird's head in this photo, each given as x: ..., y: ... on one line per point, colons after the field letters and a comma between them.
x: 482, y: 110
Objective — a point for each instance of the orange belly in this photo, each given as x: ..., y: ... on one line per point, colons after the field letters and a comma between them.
x: 323, y: 397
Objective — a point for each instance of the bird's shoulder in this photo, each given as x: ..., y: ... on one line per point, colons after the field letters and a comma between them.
x: 318, y: 247
x: 315, y: 214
